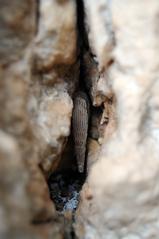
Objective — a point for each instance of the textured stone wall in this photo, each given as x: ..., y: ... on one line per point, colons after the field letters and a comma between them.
x: 48, y: 49
x: 38, y: 71
x: 120, y: 198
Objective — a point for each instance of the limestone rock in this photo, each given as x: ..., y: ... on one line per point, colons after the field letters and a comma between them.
x: 123, y: 183
x: 99, y: 29
x: 101, y: 41
x: 42, y: 64
x: 24, y: 193
x: 17, y: 28
x: 51, y: 123
x: 56, y: 39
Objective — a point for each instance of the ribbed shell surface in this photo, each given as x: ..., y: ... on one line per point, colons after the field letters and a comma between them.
x: 80, y: 127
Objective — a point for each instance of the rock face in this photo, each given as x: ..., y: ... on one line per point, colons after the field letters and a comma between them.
x: 37, y: 78
x: 120, y: 199
x: 54, y: 77
x: 57, y: 26
x: 49, y: 49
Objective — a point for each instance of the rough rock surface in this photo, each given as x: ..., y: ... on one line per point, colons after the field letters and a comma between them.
x: 120, y: 199
x: 99, y: 30
x: 35, y: 110
x: 40, y: 65
x: 57, y: 26
x: 54, y: 77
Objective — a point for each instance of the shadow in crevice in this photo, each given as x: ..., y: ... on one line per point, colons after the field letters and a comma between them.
x: 64, y: 189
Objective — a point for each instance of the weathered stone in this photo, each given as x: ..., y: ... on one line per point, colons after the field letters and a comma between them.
x: 51, y: 123
x: 123, y: 183
x: 99, y: 30
x: 39, y: 73
x: 24, y: 192
x: 12, y: 189
x: 56, y: 39
x: 99, y: 56
x: 17, y: 28
x: 54, y: 79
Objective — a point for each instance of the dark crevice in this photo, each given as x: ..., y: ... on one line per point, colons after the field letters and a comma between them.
x: 66, y: 183
x: 64, y: 189
x: 82, y: 36
x: 82, y: 40
x: 37, y: 15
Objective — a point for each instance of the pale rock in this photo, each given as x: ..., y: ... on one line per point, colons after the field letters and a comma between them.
x: 99, y: 29
x: 56, y: 39
x: 124, y: 180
